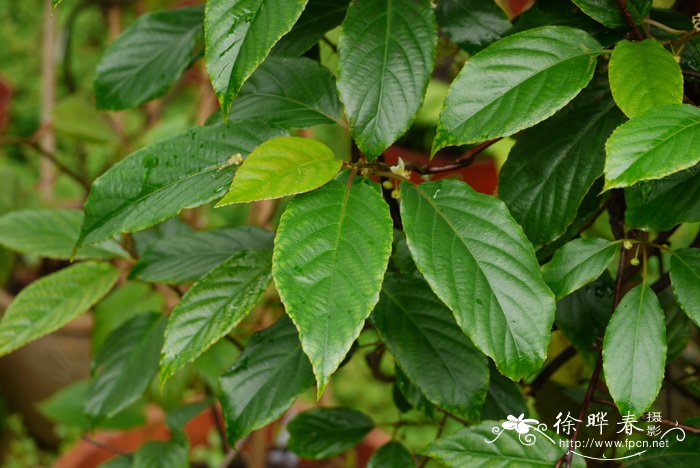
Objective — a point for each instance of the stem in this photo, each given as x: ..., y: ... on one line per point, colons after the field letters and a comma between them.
x: 634, y: 30
x: 47, y: 141
x: 463, y: 161
x: 663, y: 27
x: 690, y: 73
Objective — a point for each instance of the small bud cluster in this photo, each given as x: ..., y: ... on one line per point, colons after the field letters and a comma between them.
x: 696, y: 22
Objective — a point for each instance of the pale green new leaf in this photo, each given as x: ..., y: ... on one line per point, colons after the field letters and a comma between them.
x: 644, y: 75
x: 238, y: 36
x: 289, y: 93
x: 553, y: 166
x: 325, y: 432
x: 430, y: 348
x: 147, y: 58
x: 212, y: 307
x: 385, y: 57
x: 578, y: 263
x: 331, y: 251
x: 634, y: 351
x: 157, y: 182
x: 125, y: 365
x: 265, y: 380
x: 51, y: 233
x: 685, y: 278
x: 530, y: 76
x: 187, y: 257
x: 51, y: 302
x: 480, y: 264
x: 663, y: 141
x: 489, y: 445
x: 391, y: 455
x: 281, y: 167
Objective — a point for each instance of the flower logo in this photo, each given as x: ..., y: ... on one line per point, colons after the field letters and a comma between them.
x: 519, y: 424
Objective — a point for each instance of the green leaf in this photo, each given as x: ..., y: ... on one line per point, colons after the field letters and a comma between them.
x: 471, y: 447
x: 289, y: 93
x: 504, y: 397
x: 608, y: 13
x: 66, y: 407
x: 239, y: 35
x: 634, y: 351
x: 678, y: 453
x: 157, y: 182
x: 265, y: 380
x: 281, y: 167
x: 685, y: 277
x: 679, y: 329
x: 578, y: 263
x: 212, y: 307
x: 661, y: 142
x: 473, y: 24
x: 147, y: 58
x: 51, y: 302
x: 331, y: 251
x: 76, y: 117
x: 386, y: 55
x: 187, y: 257
x: 319, y: 17
x: 583, y: 315
x: 125, y: 365
x: 411, y: 394
x: 173, y: 453
x: 520, y: 70
x: 644, y: 75
x: 51, y: 233
x: 55, y: 3
x: 430, y: 348
x: 658, y: 205
x: 552, y: 167
x: 391, y: 455
x: 480, y: 264
x: 324, y: 432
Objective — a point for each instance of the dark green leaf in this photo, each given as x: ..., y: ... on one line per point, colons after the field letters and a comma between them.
x: 520, y: 70
x: 430, y: 348
x: 608, y: 13
x: 177, y: 418
x: 289, y: 93
x: 679, y: 329
x: 391, y: 455
x: 281, y: 167
x: 659, y: 143
x: 681, y: 453
x: 319, y: 17
x: 473, y: 24
x: 239, y: 35
x: 324, y: 432
x: 147, y: 58
x: 658, y: 205
x: 553, y: 165
x: 471, y: 447
x: 386, y: 56
x: 173, y: 453
x: 578, y: 263
x: 331, y: 251
x: 478, y: 261
x: 187, y: 257
x: 644, y: 75
x: 53, y: 301
x: 156, y: 182
x: 125, y: 365
x: 583, y: 315
x: 212, y: 307
x: 412, y: 395
x: 51, y: 233
x: 504, y: 397
x: 265, y: 380
x: 685, y: 277
x: 634, y: 351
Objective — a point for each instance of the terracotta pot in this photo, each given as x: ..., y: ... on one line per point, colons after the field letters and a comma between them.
x: 38, y: 370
